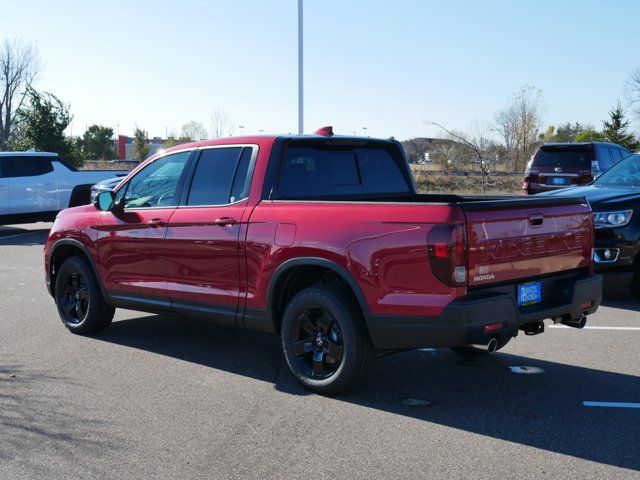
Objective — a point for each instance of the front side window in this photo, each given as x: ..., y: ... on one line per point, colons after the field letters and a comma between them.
x: 156, y: 185
x: 220, y: 176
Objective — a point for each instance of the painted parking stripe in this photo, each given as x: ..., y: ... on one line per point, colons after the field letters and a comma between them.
x: 611, y: 404
x: 597, y: 328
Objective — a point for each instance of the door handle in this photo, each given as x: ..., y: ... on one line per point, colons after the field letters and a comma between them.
x: 155, y: 222
x: 536, y: 219
x: 225, y: 221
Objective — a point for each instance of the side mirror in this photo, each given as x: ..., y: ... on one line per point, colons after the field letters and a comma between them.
x: 105, y: 201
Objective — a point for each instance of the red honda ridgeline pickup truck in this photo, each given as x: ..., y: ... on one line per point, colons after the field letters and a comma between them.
x: 323, y: 240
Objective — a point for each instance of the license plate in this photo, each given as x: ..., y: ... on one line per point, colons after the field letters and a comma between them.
x: 529, y: 294
x: 559, y: 181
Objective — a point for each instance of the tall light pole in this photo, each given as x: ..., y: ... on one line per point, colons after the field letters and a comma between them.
x: 300, y: 62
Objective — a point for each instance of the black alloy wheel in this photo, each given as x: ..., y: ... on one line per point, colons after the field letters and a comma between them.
x: 74, y: 301
x: 325, y: 339
x: 317, y: 342
x: 78, y: 296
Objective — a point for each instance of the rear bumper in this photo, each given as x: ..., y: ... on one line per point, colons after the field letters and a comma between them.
x: 462, y: 322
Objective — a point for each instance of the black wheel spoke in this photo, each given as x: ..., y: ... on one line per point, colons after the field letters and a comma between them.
x: 80, y: 310
x: 318, y: 363
x: 301, y: 347
x: 334, y: 351
x: 325, y: 321
x: 307, y: 324
x: 67, y: 304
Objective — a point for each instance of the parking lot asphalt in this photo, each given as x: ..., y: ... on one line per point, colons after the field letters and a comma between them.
x: 161, y: 397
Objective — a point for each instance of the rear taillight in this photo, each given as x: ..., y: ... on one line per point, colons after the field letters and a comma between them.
x: 446, y: 247
x: 527, y: 170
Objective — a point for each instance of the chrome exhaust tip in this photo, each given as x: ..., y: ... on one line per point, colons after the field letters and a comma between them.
x: 491, y: 346
x: 579, y: 322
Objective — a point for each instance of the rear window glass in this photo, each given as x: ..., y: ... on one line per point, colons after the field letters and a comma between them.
x: 564, y: 157
x: 325, y: 172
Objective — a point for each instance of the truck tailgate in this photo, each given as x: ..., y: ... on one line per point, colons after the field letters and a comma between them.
x: 520, y: 238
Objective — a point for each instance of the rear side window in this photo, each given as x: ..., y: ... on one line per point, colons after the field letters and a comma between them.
x: 240, y: 189
x: 622, y: 153
x: 220, y: 176
x: 26, y: 166
x: 2, y: 174
x: 564, y: 157
x: 333, y: 171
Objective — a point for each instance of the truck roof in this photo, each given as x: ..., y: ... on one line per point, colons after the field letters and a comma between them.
x: 28, y: 154
x: 576, y: 144
x: 261, y: 139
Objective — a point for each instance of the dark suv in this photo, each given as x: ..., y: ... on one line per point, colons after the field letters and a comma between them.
x: 560, y: 165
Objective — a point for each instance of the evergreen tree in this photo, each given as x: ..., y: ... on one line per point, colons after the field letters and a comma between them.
x: 140, y: 145
x: 615, y: 129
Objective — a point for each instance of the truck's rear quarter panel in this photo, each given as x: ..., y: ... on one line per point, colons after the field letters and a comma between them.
x: 382, y: 245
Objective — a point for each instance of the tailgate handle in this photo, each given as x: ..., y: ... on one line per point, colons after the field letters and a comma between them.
x: 536, y: 219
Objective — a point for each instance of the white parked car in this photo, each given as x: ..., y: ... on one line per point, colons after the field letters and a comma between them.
x: 35, y: 186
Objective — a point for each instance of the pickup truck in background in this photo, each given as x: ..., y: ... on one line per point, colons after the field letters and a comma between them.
x: 35, y: 186
x: 323, y: 240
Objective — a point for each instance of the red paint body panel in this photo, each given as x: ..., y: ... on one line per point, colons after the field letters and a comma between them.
x: 131, y: 254
x: 202, y: 257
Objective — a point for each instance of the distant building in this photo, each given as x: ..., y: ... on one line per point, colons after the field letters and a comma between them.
x: 125, y: 146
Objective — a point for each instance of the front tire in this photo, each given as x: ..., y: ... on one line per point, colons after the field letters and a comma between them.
x: 80, y: 304
x: 324, y: 339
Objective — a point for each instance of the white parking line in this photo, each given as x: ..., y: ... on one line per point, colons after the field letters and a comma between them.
x: 597, y: 328
x: 611, y: 404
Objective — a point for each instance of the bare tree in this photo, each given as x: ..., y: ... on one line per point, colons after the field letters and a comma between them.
x: 193, y: 131
x: 450, y: 153
x: 633, y: 92
x: 519, y: 125
x: 221, y: 125
x: 19, y: 67
x: 478, y: 143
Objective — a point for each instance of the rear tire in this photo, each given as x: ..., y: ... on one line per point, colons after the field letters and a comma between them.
x: 469, y: 350
x: 80, y: 303
x: 325, y: 341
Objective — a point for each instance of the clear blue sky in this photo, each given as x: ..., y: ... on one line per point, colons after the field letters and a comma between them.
x: 384, y: 65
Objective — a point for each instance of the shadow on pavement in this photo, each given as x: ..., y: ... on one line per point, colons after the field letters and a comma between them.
x: 24, y: 237
x: 475, y: 394
x: 33, y: 421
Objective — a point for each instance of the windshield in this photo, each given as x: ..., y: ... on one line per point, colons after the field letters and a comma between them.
x: 624, y: 174
x: 561, y: 156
